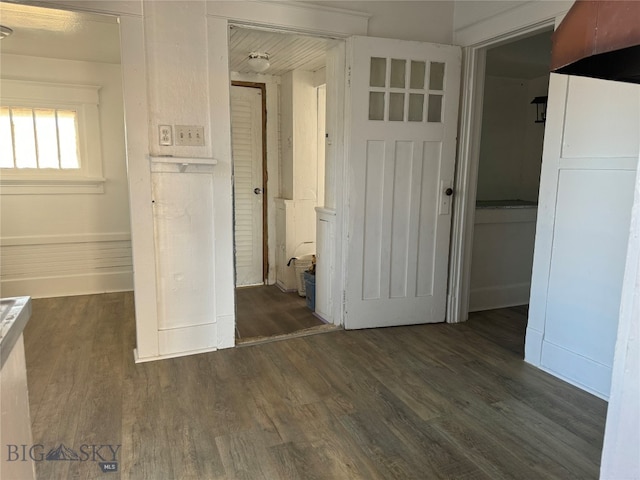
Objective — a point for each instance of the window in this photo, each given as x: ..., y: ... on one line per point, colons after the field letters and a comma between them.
x: 49, y: 138
x: 38, y: 138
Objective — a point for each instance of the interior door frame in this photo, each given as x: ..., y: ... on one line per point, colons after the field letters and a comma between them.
x: 265, y: 174
x: 466, y: 178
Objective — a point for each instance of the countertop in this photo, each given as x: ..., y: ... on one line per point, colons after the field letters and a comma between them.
x: 506, y: 204
x: 14, y: 315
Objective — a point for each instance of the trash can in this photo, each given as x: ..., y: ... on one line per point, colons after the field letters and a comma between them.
x: 301, y: 264
x: 310, y: 288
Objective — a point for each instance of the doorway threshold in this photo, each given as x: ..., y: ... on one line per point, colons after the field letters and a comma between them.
x: 325, y: 328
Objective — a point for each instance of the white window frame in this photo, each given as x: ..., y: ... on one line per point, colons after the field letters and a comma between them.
x: 84, y: 99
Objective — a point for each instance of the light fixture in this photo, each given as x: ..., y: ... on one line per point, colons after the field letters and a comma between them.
x: 541, y: 108
x: 258, y: 61
x: 5, y: 32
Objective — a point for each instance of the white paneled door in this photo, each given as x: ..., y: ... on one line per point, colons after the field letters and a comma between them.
x: 246, y: 137
x: 402, y: 112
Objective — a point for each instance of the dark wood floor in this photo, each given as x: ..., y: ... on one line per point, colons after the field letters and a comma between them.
x: 267, y: 311
x: 420, y: 402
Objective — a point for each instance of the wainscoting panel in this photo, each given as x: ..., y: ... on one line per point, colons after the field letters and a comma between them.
x: 64, y: 265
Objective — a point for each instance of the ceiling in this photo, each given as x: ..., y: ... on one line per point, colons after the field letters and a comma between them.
x: 50, y: 33
x: 287, y: 51
x: 45, y: 32
x: 527, y: 58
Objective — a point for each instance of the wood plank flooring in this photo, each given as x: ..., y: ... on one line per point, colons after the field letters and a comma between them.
x: 420, y: 402
x: 267, y: 311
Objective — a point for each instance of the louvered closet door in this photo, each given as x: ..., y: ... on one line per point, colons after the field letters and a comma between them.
x: 246, y: 136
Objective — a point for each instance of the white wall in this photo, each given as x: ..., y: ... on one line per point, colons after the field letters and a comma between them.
x: 90, y: 232
x: 426, y: 21
x: 511, y: 142
x: 501, y: 146
x: 533, y: 141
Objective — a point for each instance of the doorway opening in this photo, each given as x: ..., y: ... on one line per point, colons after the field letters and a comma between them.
x: 278, y: 139
x: 516, y: 82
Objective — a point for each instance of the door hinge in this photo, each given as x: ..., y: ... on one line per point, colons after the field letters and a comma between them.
x: 349, y: 76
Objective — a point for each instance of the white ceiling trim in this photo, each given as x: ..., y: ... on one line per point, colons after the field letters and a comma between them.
x: 309, y: 19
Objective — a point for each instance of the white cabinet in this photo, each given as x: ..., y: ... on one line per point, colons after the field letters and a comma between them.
x: 325, y: 264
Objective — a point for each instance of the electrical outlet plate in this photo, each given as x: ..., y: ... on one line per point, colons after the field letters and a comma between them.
x: 190, y: 135
x: 165, y: 135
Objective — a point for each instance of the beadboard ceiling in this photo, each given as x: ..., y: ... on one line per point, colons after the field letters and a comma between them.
x: 287, y: 51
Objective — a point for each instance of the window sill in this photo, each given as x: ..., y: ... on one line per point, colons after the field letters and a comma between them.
x: 10, y: 185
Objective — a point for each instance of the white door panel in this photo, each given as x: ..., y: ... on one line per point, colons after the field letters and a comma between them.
x: 402, y: 120
x: 246, y: 136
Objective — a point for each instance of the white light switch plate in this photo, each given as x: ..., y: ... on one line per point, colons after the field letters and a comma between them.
x: 190, y: 135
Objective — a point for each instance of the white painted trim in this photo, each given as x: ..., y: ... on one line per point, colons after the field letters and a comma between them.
x: 138, y: 359
x: 558, y: 85
x: 292, y: 17
x: 107, y: 7
x: 136, y: 109
x: 186, y: 339
x: 533, y: 13
x: 173, y: 159
x: 36, y: 184
x: 66, y: 238
x: 521, y: 21
x: 66, y: 286
x: 34, y: 92
x: 220, y: 102
x: 553, y: 355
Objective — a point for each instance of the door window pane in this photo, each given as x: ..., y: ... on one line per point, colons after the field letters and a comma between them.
x: 417, y: 74
x: 376, y: 106
x: 396, y: 107
x: 416, y: 103
x: 398, y: 72
x: 378, y: 72
x: 436, y: 76
x: 434, y: 113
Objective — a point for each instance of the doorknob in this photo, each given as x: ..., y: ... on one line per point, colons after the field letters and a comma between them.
x: 257, y: 190
x: 448, y: 192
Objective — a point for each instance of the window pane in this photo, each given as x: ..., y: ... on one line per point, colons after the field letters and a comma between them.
x: 67, y: 139
x: 398, y: 71
x: 25, y: 145
x: 436, y: 76
x: 417, y: 74
x: 47, y: 138
x: 434, y: 113
x: 376, y: 106
x: 416, y: 102
x: 396, y: 107
x: 6, y: 149
x: 378, y: 72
